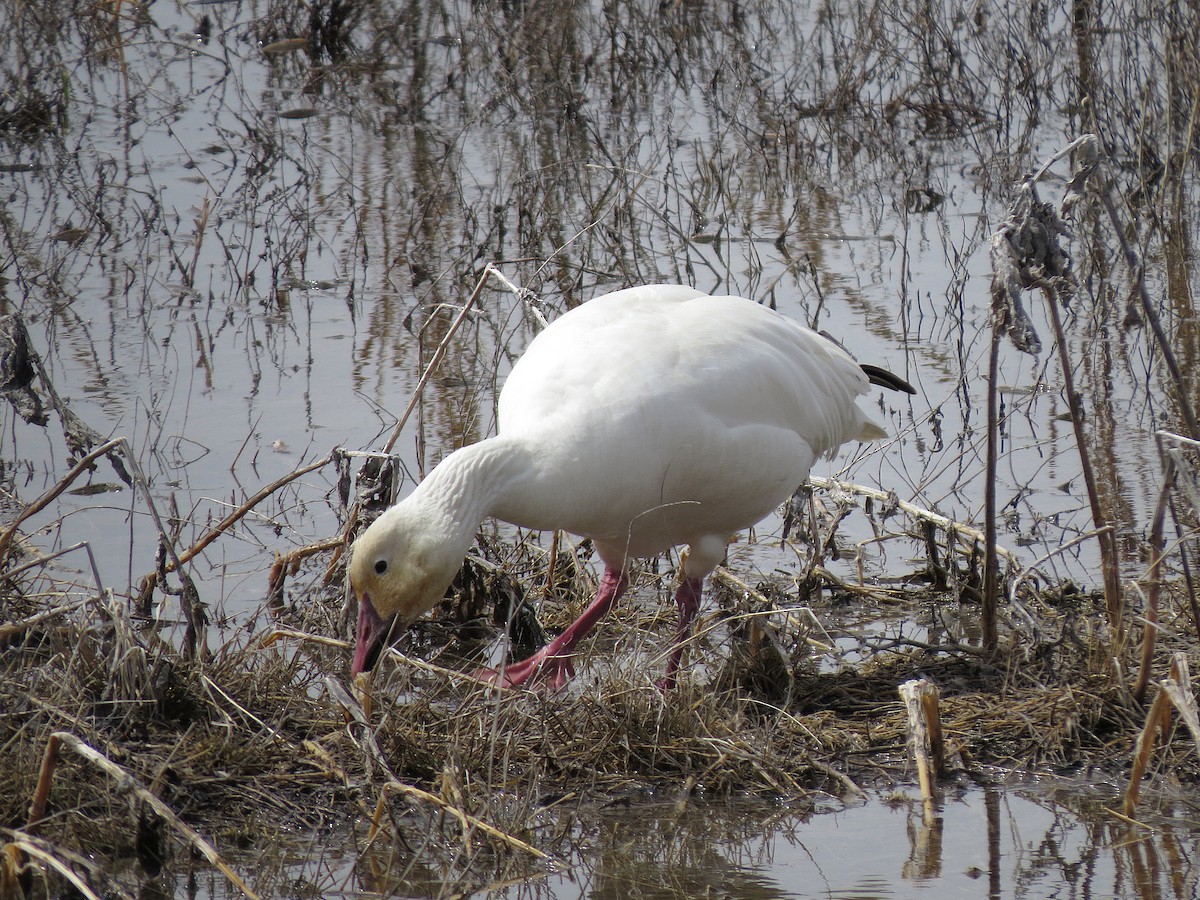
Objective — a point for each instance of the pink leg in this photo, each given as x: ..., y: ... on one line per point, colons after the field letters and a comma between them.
x: 552, y: 664
x: 687, y: 599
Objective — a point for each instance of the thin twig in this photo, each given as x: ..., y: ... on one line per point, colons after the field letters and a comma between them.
x: 433, y: 363
x: 221, y: 527
x: 465, y: 819
x: 49, y: 496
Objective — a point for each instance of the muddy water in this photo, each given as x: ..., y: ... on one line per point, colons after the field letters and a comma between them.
x: 236, y: 231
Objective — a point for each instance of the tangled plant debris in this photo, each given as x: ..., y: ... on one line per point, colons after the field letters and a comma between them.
x: 199, y: 202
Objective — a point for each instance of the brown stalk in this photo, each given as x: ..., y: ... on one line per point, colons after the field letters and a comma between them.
x: 201, y: 221
x: 1154, y: 587
x: 920, y: 698
x: 1106, y: 540
x: 1156, y: 720
x: 1175, y: 690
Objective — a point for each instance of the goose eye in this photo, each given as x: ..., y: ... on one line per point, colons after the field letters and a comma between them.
x: 380, y: 566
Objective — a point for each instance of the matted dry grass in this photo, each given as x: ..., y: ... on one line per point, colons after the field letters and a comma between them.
x: 264, y: 738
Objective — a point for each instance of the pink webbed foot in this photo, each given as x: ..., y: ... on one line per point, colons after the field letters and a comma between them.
x: 538, y: 671
x: 552, y: 666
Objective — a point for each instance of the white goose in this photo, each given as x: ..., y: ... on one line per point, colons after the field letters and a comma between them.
x: 647, y: 418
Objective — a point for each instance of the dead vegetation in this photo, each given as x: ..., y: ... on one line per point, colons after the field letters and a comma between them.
x: 160, y: 755
x: 152, y: 734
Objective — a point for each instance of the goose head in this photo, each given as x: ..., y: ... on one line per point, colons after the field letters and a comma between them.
x: 400, y: 568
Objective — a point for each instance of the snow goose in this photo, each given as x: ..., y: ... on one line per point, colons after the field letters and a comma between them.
x: 648, y: 418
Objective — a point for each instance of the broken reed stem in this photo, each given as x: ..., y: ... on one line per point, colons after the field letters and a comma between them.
x: 911, y: 509
x: 41, y: 793
x: 1156, y: 720
x: 12, y: 861
x: 931, y: 708
x: 920, y: 698
x: 1175, y: 690
x: 1154, y: 586
x: 1178, y: 686
x: 125, y: 783
x: 19, y: 846
x: 201, y: 222
x: 288, y: 563
x: 991, y: 564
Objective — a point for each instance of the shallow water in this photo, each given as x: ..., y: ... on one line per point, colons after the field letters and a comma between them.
x: 240, y: 253
x: 1030, y: 838
x: 265, y: 232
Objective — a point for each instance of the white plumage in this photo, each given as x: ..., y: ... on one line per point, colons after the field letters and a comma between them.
x: 644, y: 419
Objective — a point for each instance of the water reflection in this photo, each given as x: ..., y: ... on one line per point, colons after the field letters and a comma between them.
x: 1045, y: 838
x: 238, y: 230
x: 1032, y: 841
x: 215, y: 279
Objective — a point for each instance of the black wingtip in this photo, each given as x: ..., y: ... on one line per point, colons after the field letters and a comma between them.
x: 884, y: 378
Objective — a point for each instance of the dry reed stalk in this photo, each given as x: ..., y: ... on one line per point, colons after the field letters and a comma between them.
x: 1175, y: 690
x: 126, y: 783
x: 1025, y: 254
x: 1157, y: 720
x: 1154, y: 586
x: 1178, y: 686
x: 42, y: 560
x: 722, y: 576
x: 29, y: 849
x: 359, y: 713
x: 12, y: 863
x: 201, y: 222
x: 12, y: 629
x: 1110, y: 558
x: 287, y: 564
x: 920, y: 698
x: 991, y: 565
x: 975, y: 536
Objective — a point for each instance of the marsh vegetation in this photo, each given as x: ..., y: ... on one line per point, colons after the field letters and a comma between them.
x: 236, y: 240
